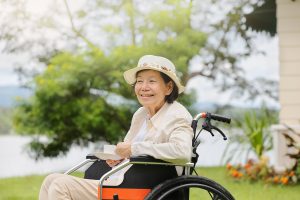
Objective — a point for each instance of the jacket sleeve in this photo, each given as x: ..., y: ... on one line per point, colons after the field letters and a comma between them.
x: 177, y: 148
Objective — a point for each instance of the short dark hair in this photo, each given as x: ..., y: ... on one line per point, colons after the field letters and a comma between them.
x: 174, y: 94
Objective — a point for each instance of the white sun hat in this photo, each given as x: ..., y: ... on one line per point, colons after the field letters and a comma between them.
x: 157, y: 63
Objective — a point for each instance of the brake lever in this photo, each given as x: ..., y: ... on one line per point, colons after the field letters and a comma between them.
x: 219, y: 130
x: 208, y: 127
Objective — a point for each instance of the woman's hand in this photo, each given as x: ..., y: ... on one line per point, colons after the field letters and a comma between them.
x: 123, y: 149
x: 113, y: 163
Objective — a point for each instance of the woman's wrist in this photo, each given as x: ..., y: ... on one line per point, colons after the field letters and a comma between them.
x: 123, y: 149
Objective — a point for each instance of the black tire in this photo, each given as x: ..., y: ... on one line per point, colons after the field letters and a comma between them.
x: 184, y: 183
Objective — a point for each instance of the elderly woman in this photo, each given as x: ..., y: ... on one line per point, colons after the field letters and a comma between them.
x: 160, y: 128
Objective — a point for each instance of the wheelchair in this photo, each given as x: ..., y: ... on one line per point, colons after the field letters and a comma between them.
x: 187, y: 186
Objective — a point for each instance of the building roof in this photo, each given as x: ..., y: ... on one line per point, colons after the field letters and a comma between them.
x: 263, y: 18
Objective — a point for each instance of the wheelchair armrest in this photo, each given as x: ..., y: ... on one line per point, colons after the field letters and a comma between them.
x: 146, y: 158
x: 91, y: 156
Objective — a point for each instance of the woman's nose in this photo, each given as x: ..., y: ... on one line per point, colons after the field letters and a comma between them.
x: 144, y: 86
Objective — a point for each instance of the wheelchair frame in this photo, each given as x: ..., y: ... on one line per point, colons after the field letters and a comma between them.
x: 133, y: 160
x: 204, y: 183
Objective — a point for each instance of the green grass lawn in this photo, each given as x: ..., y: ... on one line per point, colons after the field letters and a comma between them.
x: 18, y: 188
x: 22, y: 188
x: 251, y: 191
x: 27, y: 187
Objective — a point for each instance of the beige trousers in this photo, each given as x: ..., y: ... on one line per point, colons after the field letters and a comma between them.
x: 66, y: 187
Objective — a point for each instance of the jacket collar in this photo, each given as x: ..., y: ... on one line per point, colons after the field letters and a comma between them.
x: 156, y: 119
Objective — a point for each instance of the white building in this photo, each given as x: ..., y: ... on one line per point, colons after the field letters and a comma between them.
x: 283, y: 17
x: 288, y: 29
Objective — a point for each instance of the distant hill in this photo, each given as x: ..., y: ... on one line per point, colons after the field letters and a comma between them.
x: 8, y: 95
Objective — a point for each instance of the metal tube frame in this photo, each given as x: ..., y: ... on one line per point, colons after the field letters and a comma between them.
x: 73, y: 169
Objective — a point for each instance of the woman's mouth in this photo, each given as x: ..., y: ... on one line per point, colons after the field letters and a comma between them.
x: 146, y: 95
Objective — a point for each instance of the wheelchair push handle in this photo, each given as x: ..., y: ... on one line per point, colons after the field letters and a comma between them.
x: 207, y: 124
x: 207, y: 115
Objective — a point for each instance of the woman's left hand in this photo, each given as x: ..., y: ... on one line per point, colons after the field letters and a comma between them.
x: 123, y: 149
x: 113, y: 163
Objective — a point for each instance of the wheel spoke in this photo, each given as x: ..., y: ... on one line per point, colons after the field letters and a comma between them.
x: 216, y: 197
x: 210, y: 194
x: 202, y: 187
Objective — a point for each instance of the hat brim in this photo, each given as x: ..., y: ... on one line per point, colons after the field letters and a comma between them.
x: 130, y: 76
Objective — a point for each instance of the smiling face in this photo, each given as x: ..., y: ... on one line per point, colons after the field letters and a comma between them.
x: 151, y: 90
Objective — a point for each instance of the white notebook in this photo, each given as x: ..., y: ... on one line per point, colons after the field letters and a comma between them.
x: 108, y: 153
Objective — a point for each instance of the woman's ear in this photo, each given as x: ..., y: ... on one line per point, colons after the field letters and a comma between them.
x: 170, y: 87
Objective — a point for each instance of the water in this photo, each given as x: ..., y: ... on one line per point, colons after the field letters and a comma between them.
x: 16, y: 162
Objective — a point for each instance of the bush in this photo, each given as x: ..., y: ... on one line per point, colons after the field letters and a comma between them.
x: 253, y: 135
x: 260, y: 170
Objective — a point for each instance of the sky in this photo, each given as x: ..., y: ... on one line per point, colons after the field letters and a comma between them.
x: 265, y: 66
x: 7, y: 75
x: 254, y: 66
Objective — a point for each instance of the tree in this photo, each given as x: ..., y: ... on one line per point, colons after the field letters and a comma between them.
x: 71, y: 104
x: 64, y: 106
x: 221, y: 62
x: 82, y: 97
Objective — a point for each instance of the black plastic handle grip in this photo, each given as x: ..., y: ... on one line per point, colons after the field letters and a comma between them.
x: 220, y: 118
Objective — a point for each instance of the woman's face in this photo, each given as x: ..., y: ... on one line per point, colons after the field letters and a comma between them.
x: 151, y: 89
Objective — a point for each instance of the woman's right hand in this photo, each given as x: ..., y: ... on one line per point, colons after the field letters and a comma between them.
x: 113, y: 163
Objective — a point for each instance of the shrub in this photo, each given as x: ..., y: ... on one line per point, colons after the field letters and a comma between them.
x: 253, y: 134
x: 260, y: 170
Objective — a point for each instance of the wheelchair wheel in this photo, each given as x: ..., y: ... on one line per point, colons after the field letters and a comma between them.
x: 189, y: 187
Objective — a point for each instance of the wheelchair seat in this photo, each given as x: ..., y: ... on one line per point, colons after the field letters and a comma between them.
x: 138, y: 181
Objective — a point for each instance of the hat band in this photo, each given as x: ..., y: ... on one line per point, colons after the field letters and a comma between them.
x: 157, y: 66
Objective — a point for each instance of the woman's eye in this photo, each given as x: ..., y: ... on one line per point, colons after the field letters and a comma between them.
x: 152, y: 81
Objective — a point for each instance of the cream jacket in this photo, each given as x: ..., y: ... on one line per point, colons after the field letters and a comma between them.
x: 169, y: 135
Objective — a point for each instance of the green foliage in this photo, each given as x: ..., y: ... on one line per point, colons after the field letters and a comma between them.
x: 255, y: 135
x: 64, y: 106
x: 77, y: 99
x: 82, y: 97
x: 254, y: 128
x: 110, y: 24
